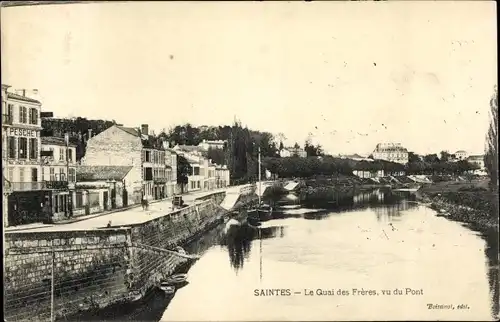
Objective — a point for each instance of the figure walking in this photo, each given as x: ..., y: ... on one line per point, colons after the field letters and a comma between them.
x: 145, y: 203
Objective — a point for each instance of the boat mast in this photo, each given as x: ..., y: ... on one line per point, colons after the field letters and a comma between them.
x: 259, y: 177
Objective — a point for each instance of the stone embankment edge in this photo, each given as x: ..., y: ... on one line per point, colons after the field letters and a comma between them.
x: 476, y: 219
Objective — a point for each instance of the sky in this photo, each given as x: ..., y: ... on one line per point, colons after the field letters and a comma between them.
x: 348, y: 74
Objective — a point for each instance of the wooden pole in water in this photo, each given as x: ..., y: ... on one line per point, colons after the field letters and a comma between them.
x: 259, y: 177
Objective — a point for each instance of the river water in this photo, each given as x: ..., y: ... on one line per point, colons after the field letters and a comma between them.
x: 338, y: 264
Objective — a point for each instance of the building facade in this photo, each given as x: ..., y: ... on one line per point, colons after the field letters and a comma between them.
x: 125, y: 146
x: 108, y: 187
x: 393, y: 152
x: 221, y: 176
x: 58, y: 173
x: 477, y: 160
x: 24, y: 193
x: 293, y: 152
x: 461, y: 155
x: 215, y: 144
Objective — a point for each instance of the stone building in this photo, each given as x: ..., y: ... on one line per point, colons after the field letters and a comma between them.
x: 58, y: 160
x: 121, y: 186
x: 126, y: 146
x: 24, y: 194
x: 393, y: 152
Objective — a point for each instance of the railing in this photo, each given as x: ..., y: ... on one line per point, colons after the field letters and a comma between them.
x: 160, y: 180
x: 26, y: 186
x: 56, y: 185
x: 7, y: 119
x: 30, y: 186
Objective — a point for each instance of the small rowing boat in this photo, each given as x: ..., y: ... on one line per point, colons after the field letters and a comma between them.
x: 176, y: 279
x: 167, y: 288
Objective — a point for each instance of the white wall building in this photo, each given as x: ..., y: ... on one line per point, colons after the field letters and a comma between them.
x: 393, y: 152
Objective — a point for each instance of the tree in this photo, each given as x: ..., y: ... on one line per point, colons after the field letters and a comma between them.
x: 217, y: 155
x: 491, y: 155
x: 413, y: 157
x: 281, y: 145
x: 431, y: 158
x: 445, y: 156
x: 184, y: 169
x: 296, y: 145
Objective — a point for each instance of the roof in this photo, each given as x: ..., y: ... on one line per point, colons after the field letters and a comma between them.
x: 147, y: 141
x: 476, y: 157
x: 22, y: 98
x: 54, y: 140
x: 460, y: 151
x: 101, y: 172
x: 129, y: 130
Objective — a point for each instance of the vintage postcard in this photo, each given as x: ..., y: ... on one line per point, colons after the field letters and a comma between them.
x: 250, y: 161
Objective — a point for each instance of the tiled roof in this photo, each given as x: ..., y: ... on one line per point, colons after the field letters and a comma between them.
x: 54, y: 140
x: 99, y: 173
x: 22, y: 98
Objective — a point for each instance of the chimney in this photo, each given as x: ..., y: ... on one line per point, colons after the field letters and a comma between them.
x: 145, y: 129
x: 90, y: 134
x: 21, y: 92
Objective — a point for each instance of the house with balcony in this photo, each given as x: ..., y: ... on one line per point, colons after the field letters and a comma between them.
x: 24, y: 194
x: 58, y: 174
x: 171, y: 170
x: 127, y: 146
x: 203, y: 177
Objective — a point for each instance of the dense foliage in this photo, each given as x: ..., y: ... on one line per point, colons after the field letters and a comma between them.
x: 491, y: 155
x: 183, y: 171
x: 78, y: 128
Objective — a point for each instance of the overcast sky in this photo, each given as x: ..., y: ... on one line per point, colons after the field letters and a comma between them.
x: 351, y: 74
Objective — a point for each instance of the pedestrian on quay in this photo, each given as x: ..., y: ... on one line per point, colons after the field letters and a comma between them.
x: 144, y: 202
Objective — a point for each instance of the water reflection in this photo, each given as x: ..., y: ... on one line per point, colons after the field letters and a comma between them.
x: 239, y: 239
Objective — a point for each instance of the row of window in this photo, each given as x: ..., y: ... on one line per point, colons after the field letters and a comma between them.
x: 22, y: 148
x: 154, y: 156
x: 195, y: 185
x: 60, y: 175
x: 61, y: 154
x: 26, y: 115
x: 31, y: 174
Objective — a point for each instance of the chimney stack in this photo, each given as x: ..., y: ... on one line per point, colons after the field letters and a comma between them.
x: 90, y: 133
x: 145, y: 129
x: 21, y: 92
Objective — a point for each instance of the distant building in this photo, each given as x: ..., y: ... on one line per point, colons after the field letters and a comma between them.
x: 206, y: 175
x: 477, y: 160
x: 207, y: 144
x: 293, y: 152
x: 392, y: 152
x: 461, y: 155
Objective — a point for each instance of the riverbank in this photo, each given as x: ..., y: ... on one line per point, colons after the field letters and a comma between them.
x: 468, y: 202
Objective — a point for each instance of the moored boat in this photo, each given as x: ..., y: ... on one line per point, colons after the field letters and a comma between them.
x: 167, y: 288
x: 175, y: 279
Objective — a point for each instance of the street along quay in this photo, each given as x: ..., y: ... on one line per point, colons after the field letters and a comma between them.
x: 59, y: 270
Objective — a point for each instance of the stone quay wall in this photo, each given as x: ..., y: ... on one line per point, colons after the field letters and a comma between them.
x: 89, y: 270
x: 176, y: 229
x: 217, y: 197
x: 97, y: 268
